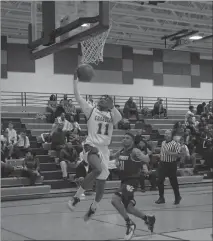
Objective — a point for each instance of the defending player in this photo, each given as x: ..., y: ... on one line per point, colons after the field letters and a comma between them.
x: 100, y: 122
x: 129, y: 162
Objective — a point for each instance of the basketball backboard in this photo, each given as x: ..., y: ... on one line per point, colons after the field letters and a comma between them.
x: 66, y: 23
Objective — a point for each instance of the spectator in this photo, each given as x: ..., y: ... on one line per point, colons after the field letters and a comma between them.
x: 67, y: 126
x: 74, y: 138
x: 201, y: 108
x: 12, y: 135
x: 51, y: 108
x: 206, y: 137
x: 22, y: 145
x: 60, y: 108
x: 91, y: 101
x: 190, y: 124
x: 65, y: 97
x: 6, y: 146
x: 189, y: 113
x: 209, y: 107
x: 70, y: 111
x: 210, y: 120
x: 130, y: 109
x: 2, y: 129
x: 202, y: 125
x: 58, y: 140
x: 31, y: 167
x: 119, y: 109
x: 178, y: 131
x: 184, y: 153
x: 159, y: 109
x: 46, y: 137
x: 68, y: 156
x: 146, y: 171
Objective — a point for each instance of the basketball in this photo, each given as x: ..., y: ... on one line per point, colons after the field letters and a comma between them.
x: 85, y: 72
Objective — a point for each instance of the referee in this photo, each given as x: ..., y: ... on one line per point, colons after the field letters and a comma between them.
x: 170, y: 151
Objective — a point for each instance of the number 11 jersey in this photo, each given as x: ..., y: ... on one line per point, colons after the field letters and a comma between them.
x: 100, y: 128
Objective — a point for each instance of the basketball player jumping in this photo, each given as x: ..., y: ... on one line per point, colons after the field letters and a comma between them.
x: 100, y: 122
x: 129, y: 163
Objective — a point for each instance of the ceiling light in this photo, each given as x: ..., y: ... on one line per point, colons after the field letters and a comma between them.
x: 85, y: 25
x: 195, y: 37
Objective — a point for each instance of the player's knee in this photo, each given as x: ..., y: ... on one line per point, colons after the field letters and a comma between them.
x: 115, y: 199
x: 130, y: 206
x: 97, y: 171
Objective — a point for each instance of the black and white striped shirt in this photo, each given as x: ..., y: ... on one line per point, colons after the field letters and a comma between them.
x: 171, y: 146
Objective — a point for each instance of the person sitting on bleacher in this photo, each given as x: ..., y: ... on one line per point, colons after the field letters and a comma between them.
x: 130, y: 109
x: 60, y: 107
x: 22, y: 145
x: 201, y: 108
x: 31, y: 167
x: 70, y: 110
x: 68, y: 156
x: 7, y: 146
x: 159, y: 109
x: 191, y: 143
x: 67, y: 126
x: 184, y: 154
x: 12, y: 135
x: 75, y: 139
x: 51, y: 109
x: 58, y: 140
x: 146, y: 171
x: 209, y: 107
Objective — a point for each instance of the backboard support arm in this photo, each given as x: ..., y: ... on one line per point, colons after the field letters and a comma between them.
x: 103, y: 24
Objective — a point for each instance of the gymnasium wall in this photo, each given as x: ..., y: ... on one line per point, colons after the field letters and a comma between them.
x: 127, y: 73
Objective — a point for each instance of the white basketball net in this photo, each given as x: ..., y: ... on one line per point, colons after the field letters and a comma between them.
x: 93, y: 48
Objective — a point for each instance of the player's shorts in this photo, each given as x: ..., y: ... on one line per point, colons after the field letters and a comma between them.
x: 126, y: 193
x: 103, y: 153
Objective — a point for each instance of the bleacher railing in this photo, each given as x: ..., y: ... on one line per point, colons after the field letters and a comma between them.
x: 34, y: 99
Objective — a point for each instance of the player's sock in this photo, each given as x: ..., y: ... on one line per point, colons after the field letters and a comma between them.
x: 79, y: 192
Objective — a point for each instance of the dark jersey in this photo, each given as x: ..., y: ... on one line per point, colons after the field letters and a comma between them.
x: 129, y: 168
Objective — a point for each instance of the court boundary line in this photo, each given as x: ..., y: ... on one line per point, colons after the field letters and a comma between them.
x: 178, y: 208
x: 190, y: 229
x: 161, y: 233
x: 21, y: 235
x: 137, y: 194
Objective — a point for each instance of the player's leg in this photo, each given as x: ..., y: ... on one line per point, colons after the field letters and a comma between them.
x: 99, y: 189
x: 174, y: 182
x: 162, y: 170
x: 120, y: 201
x: 100, y: 184
x: 148, y: 219
x: 95, y: 163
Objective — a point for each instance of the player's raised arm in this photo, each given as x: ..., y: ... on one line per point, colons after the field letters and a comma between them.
x: 86, y: 108
x: 116, y: 115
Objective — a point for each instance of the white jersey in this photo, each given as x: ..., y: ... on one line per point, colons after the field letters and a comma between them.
x: 100, y: 128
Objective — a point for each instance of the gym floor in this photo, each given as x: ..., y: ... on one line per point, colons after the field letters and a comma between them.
x: 50, y: 219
